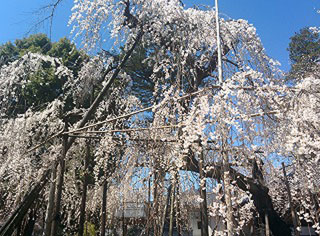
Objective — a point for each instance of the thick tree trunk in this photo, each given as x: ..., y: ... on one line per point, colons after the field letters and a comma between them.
x: 263, y: 204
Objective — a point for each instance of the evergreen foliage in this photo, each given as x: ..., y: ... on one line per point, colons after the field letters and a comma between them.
x: 44, y: 85
x: 304, y: 53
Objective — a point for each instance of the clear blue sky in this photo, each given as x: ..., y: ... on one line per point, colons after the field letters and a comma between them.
x: 275, y: 20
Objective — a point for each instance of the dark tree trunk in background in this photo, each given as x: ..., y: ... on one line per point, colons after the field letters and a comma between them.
x: 84, y: 190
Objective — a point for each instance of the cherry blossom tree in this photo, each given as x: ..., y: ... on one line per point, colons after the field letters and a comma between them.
x: 185, y: 60
x: 224, y: 136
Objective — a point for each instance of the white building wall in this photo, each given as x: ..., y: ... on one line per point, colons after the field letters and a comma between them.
x: 214, y: 224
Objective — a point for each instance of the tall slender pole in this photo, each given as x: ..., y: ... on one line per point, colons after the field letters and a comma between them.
x: 149, y: 206
x: 266, y: 217
x: 58, y: 198
x: 218, y: 44
x: 104, y: 208
x: 173, y: 192
x: 226, y: 175
x: 228, y: 201
x: 165, y: 211
x: 50, y: 207
x: 84, y: 190
x: 203, y: 195
x: 293, y: 213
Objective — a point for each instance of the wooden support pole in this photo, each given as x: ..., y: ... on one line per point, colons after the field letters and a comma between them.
x: 155, y: 203
x: 104, y: 208
x: 124, y: 225
x: 226, y: 174
x: 50, y: 207
x: 173, y: 192
x: 58, y: 198
x: 84, y: 189
x: 147, y: 229
x: 227, y: 185
x: 178, y: 211
x: 267, y: 225
x: 165, y: 211
x: 18, y: 231
x: 293, y: 213
x: 203, y: 196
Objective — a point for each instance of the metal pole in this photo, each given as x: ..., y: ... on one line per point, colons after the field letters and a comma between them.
x: 218, y: 44
x: 227, y: 178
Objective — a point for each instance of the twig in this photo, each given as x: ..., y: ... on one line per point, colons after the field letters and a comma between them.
x: 45, y: 141
x: 136, y: 112
x: 144, y: 129
x: 53, y: 6
x: 132, y: 130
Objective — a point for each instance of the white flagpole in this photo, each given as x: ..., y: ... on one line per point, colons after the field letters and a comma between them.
x: 218, y: 44
x: 226, y: 174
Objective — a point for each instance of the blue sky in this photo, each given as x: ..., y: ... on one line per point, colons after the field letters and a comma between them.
x: 275, y: 20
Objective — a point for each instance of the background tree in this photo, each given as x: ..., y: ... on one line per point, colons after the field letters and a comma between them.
x: 8, y: 53
x: 304, y: 53
x: 43, y: 85
x: 140, y: 71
